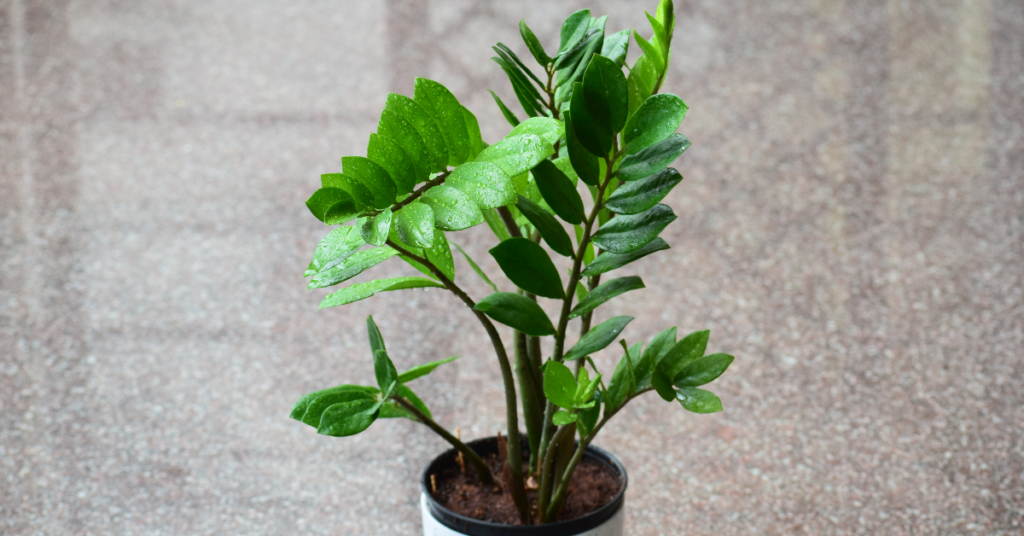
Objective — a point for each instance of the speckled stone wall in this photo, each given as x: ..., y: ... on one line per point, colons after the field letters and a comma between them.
x: 850, y: 227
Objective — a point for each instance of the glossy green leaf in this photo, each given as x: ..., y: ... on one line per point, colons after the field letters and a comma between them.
x: 559, y: 192
x: 552, y: 231
x: 362, y: 195
x: 509, y: 116
x: 476, y: 141
x: 640, y: 83
x: 442, y: 106
x: 388, y: 154
x: 559, y: 384
x: 652, y: 52
x: 623, y: 382
x: 533, y: 44
x: 704, y: 370
x: 525, y: 92
x: 595, y: 137
x: 351, y: 267
x: 573, y: 29
x: 659, y: 39
x: 599, y: 337
x: 324, y: 198
x: 440, y: 255
x: 548, y: 129
x: 375, y: 230
x: 604, y: 92
x: 663, y: 386
x: 615, y: 47
x: 639, y: 196
x: 562, y: 417
x: 657, y: 118
x: 529, y: 267
x: 574, y: 61
x: 508, y: 55
x: 348, y: 418
x: 583, y: 162
x: 652, y: 159
x: 607, y: 262
x: 476, y: 268
x: 309, y: 408
x: 626, y: 234
x: 588, y: 417
x: 337, y: 246
x: 585, y: 388
x: 391, y: 409
x: 684, y: 352
x: 699, y: 400
x: 516, y: 154
x: 361, y: 291
x: 660, y: 346
x: 641, y: 367
x: 430, y: 133
x: 604, y: 292
x: 415, y: 224
x: 483, y: 182
x: 453, y: 209
x: 422, y: 370
x: 383, y: 368
x: 394, y: 127
x: 666, y: 16
x: 518, y: 312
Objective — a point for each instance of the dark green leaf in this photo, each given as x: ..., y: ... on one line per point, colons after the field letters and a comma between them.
x: 337, y: 246
x: 562, y: 417
x: 607, y: 262
x: 604, y: 92
x: 559, y: 384
x: 516, y: 154
x: 422, y: 370
x: 324, y: 198
x: 572, y: 71
x: 548, y: 129
x: 588, y: 417
x: 362, y: 195
x: 446, y: 112
x: 626, y: 234
x: 415, y: 224
x: 623, y: 382
x: 375, y: 230
x: 652, y: 159
x: 394, y: 127
x: 640, y: 83
x: 583, y: 162
x: 655, y: 119
x: 615, y: 47
x: 476, y: 141
x: 704, y: 370
x: 348, y: 418
x: 384, y: 369
x: 642, y: 366
x: 559, y: 192
x: 660, y: 346
x: 663, y: 386
x: 683, y: 353
x: 699, y: 400
x: 639, y: 196
x: 595, y: 137
x: 309, y: 408
x: 484, y: 182
x: 552, y: 231
x: 507, y: 54
x: 518, y: 312
x: 440, y: 254
x: 351, y: 267
x: 453, y: 210
x: 377, y: 343
x: 604, y: 292
x: 476, y: 268
x: 524, y: 90
x: 400, y: 166
x: 433, y: 141
x: 529, y: 267
x: 599, y: 337
x: 509, y: 116
x: 361, y: 291
x: 533, y: 44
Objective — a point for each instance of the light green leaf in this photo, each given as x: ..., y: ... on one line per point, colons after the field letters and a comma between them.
x: 585, y: 389
x: 704, y: 370
x: 361, y: 291
x: 337, y: 246
x: 422, y: 370
x: 529, y: 267
x: 559, y: 384
x: 394, y: 127
x: 516, y: 154
x: 605, y: 96
x: 562, y: 417
x: 623, y: 382
x: 362, y: 195
x: 518, y: 312
x: 348, y: 418
x: 655, y: 119
x: 652, y: 159
x: 375, y: 230
x: 476, y: 141
x: 639, y: 196
x: 652, y: 52
x: 615, y: 47
x: 548, y: 129
x: 453, y: 210
x: 626, y: 234
x: 415, y: 224
x: 604, y: 292
x: 681, y: 354
x: 483, y: 182
x: 598, y: 338
x: 309, y: 408
x: 351, y: 267
x: 392, y: 410
x: 559, y: 192
x: 607, y: 262
x: 476, y: 268
x: 640, y: 83
x: 552, y: 231
x: 592, y: 134
x: 387, y: 153
x: 509, y: 116
x: 440, y: 255
x: 325, y: 198
x: 446, y: 111
x: 415, y: 115
x: 660, y: 346
x: 374, y: 177
x: 699, y: 400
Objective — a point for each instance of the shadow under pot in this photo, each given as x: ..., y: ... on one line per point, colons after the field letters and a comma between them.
x: 606, y: 520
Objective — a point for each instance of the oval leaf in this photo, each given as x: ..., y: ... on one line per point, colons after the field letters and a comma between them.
x: 374, y: 177
x: 324, y: 198
x: 348, y: 418
x: 517, y: 311
x: 562, y: 417
x: 599, y: 337
x: 595, y: 138
x: 375, y: 230
x: 604, y: 292
x: 337, y: 246
x: 638, y: 196
x: 548, y: 227
x: 681, y: 354
x: 415, y: 224
x: 399, y: 165
x: 529, y: 267
x: 415, y: 115
x: 607, y: 262
x: 584, y: 163
x: 699, y: 400
x: 446, y: 111
x: 652, y: 159
x: 361, y: 291
x: 558, y: 192
x: 310, y: 407
x: 655, y: 119
x: 394, y: 127
x: 351, y: 267
x: 559, y: 384
x: 604, y: 92
x: 453, y: 210
x: 704, y: 370
x: 517, y: 154
x: 362, y: 195
x: 546, y: 128
x: 626, y: 234
x: 485, y: 183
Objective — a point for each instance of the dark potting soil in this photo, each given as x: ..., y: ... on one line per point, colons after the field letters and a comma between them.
x: 592, y: 486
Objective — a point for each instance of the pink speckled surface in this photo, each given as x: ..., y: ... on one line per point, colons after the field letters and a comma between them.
x: 850, y: 227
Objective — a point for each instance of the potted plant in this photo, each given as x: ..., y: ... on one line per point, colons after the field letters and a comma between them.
x: 428, y: 172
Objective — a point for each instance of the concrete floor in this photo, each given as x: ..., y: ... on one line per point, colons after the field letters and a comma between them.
x: 851, y: 227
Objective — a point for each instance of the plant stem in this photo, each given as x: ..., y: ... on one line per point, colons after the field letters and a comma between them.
x: 532, y: 404
x: 515, y: 447
x: 474, y: 459
x: 510, y: 222
x: 417, y: 193
x: 544, y: 491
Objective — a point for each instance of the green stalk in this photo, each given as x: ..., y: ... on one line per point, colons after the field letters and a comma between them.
x: 474, y: 459
x: 532, y: 405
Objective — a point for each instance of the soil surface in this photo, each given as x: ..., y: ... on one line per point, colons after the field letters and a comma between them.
x: 592, y: 486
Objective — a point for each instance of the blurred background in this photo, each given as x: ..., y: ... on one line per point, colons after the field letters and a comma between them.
x: 850, y: 227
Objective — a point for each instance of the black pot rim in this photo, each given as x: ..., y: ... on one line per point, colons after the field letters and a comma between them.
x: 475, y: 527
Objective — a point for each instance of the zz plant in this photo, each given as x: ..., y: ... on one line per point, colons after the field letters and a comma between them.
x: 427, y: 172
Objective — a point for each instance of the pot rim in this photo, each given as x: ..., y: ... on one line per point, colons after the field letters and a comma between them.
x: 476, y: 527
